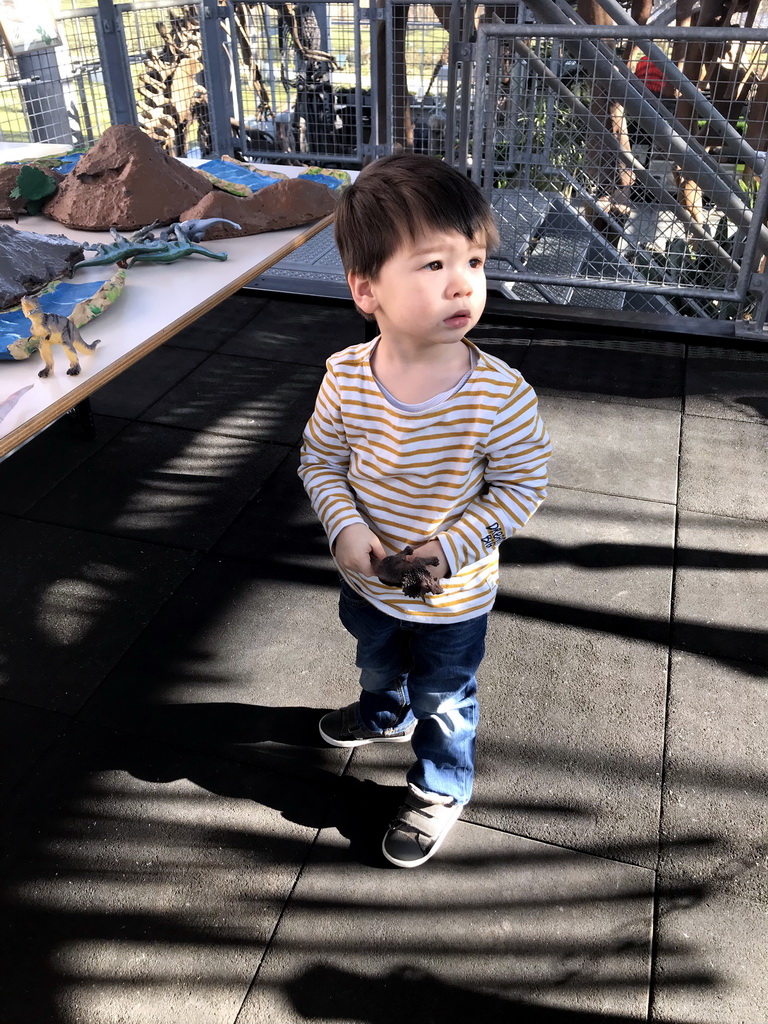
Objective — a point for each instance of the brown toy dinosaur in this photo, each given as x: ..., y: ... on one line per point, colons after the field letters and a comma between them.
x: 53, y: 329
x: 409, y: 572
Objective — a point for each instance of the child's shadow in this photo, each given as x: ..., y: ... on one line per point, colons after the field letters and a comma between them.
x: 274, y: 756
x: 326, y: 992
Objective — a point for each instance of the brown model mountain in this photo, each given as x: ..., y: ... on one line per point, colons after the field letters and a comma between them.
x: 286, y: 204
x: 125, y: 181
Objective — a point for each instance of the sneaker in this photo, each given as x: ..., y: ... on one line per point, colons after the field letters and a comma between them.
x: 421, y: 825
x: 342, y: 729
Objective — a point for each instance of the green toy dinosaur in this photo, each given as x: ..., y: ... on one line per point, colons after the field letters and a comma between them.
x: 175, y: 242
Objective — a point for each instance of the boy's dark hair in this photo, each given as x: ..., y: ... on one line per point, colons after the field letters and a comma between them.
x: 398, y: 197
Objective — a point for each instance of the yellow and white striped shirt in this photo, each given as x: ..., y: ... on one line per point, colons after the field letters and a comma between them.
x: 469, y: 472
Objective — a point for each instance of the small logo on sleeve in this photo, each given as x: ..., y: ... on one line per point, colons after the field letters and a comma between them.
x: 494, y: 537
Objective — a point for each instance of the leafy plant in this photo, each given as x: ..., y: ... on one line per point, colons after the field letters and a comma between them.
x: 34, y: 186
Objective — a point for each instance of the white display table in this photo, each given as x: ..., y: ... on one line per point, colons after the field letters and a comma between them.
x: 10, y: 151
x: 158, y: 301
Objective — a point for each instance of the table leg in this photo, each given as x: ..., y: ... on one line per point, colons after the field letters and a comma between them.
x: 82, y: 414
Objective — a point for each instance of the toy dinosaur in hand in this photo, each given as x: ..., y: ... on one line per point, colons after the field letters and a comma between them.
x: 409, y: 572
x: 53, y: 329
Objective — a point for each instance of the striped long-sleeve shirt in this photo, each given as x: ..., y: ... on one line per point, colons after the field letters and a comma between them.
x: 470, y: 472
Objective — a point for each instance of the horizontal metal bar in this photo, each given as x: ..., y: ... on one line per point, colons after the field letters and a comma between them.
x: 82, y: 12
x: 694, y: 35
x: 608, y: 285
x: 125, y: 7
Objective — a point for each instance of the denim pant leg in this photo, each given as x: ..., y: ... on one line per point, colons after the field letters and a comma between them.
x: 442, y: 688
x: 383, y: 660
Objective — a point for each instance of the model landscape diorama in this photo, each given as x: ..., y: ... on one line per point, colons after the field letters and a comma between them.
x: 127, y: 183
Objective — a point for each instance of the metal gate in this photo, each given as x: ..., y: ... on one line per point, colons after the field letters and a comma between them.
x: 608, y: 194
x: 615, y: 188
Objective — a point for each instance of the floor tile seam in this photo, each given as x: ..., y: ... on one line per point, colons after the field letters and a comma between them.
x: 662, y: 804
x: 212, y: 433
x: 725, y: 419
x: 158, y: 398
x: 195, y: 326
x: 671, y: 650
x: 719, y: 515
x: 245, y: 509
x: 559, y: 846
x: 91, y: 531
x: 126, y: 421
x: 603, y: 399
x: 612, y: 494
x: 227, y: 332
x: 268, y: 359
x: 111, y: 665
x: 320, y: 367
x: 42, y: 754
x: 270, y: 940
x: 33, y: 707
x: 274, y: 933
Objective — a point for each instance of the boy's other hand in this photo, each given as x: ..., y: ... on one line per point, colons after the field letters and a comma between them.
x: 356, y: 547
x: 432, y: 549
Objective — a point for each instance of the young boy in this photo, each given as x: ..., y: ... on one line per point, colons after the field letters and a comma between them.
x: 418, y: 438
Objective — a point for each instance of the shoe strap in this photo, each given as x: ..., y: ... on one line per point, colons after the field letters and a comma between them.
x: 349, y: 722
x: 427, y: 821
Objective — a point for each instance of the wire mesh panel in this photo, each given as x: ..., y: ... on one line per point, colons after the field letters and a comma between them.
x: 651, y: 165
x: 415, y: 83
x: 302, y: 81
x: 58, y: 94
x: 167, y: 71
x: 86, y: 90
x: 54, y: 94
x: 623, y: 162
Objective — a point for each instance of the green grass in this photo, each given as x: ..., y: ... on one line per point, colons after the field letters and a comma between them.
x: 13, y: 123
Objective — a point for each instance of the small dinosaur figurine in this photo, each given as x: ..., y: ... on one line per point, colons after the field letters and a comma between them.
x: 194, y: 230
x: 53, y: 329
x: 175, y: 241
x: 409, y: 572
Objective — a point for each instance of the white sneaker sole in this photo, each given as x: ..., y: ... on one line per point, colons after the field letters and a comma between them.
x: 404, y: 738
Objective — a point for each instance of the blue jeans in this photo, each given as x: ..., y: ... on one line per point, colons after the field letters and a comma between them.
x: 422, y: 672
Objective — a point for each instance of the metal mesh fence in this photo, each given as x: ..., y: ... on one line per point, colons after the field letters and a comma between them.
x: 418, y: 55
x: 303, y: 80
x: 612, y: 169
x: 306, y: 76
x: 624, y: 170
x: 167, y: 74
x: 47, y: 95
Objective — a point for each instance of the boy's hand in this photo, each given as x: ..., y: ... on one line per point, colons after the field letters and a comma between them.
x: 432, y: 549
x: 356, y: 546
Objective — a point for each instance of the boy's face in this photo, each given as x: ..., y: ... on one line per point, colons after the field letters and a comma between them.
x: 430, y: 292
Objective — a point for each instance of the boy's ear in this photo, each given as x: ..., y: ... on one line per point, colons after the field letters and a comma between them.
x: 362, y: 292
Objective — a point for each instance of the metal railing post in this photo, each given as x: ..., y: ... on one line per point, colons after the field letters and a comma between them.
x: 115, y: 65
x: 217, y: 76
